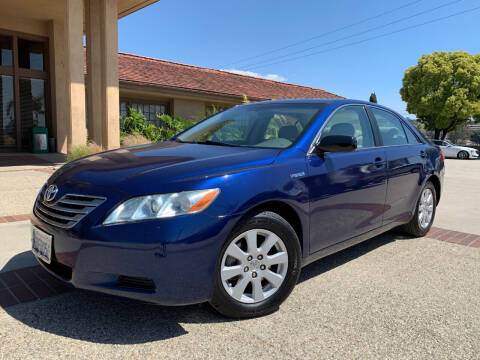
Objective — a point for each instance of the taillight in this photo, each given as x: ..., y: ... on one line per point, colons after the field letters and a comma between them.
x: 441, y: 154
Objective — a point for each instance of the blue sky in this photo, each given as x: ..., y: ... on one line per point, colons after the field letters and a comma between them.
x: 217, y: 34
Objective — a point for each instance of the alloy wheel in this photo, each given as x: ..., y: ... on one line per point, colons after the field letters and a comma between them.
x: 254, y: 266
x: 425, y: 208
x: 463, y: 155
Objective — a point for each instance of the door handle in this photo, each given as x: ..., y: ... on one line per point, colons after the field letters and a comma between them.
x: 379, y: 162
x: 422, y: 154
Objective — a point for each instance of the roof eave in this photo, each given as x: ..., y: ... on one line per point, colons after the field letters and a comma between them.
x: 177, y: 90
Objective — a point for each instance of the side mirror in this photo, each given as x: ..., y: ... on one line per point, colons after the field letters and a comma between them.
x: 336, y: 143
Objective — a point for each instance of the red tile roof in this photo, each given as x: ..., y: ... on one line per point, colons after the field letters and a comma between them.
x: 144, y: 70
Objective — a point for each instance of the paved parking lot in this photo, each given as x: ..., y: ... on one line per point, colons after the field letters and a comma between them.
x: 389, y: 297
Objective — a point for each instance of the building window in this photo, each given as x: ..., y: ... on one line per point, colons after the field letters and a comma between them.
x: 30, y: 54
x: 5, y: 51
x: 148, y: 108
x: 8, y: 132
x: 23, y: 90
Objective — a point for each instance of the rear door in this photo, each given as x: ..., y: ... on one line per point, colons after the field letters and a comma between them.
x: 347, y: 190
x: 406, y: 159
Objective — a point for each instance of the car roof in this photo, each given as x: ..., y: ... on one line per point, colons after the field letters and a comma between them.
x: 337, y: 102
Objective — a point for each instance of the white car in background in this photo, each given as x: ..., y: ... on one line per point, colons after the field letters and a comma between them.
x: 454, y: 151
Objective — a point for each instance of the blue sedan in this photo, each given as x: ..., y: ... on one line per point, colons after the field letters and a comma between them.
x: 231, y: 209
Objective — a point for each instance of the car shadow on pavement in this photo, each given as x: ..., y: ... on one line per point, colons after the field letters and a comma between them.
x: 103, y: 319
x: 337, y: 259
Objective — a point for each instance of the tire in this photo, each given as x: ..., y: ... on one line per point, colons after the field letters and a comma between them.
x: 416, y: 227
x: 463, y: 155
x: 260, y: 295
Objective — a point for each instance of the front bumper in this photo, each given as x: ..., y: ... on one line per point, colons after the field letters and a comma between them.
x: 177, y: 255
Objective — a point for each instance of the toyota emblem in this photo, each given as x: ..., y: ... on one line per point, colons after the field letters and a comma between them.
x: 50, y: 193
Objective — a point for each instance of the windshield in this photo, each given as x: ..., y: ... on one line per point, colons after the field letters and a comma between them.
x: 258, y: 125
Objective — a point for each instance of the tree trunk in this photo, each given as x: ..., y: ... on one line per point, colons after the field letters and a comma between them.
x: 437, y: 134
x: 444, y: 134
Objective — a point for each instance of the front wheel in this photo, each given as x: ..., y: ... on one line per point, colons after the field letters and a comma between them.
x: 424, y: 213
x: 258, y: 267
x: 463, y: 155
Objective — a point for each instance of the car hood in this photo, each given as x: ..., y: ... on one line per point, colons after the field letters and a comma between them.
x: 141, y: 169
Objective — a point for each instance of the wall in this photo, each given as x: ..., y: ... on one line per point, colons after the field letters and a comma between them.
x: 188, y: 109
x: 179, y: 103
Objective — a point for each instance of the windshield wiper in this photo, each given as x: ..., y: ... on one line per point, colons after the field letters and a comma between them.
x: 211, y: 142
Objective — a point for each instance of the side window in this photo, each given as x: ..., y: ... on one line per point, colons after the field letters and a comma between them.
x: 351, y: 121
x: 412, y: 139
x: 391, y: 129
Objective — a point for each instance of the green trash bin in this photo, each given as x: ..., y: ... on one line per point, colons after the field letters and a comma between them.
x: 40, y: 140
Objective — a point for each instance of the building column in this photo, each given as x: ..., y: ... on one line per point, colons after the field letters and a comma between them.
x: 74, y: 66
x: 102, y: 72
x: 58, y: 88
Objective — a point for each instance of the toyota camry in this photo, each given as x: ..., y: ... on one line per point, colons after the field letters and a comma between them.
x: 231, y: 209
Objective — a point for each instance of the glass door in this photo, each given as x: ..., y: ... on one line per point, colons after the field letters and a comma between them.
x: 23, y: 90
x: 8, y: 129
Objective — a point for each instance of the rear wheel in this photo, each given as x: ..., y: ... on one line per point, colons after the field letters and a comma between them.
x: 258, y: 267
x: 425, y: 212
x: 462, y: 155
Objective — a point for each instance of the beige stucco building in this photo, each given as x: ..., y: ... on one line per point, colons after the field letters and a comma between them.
x: 42, y: 70
x: 60, y: 69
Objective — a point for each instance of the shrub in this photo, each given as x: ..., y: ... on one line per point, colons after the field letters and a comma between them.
x: 79, y: 151
x: 153, y: 133
x: 133, y: 140
x: 136, y: 124
x: 172, y: 125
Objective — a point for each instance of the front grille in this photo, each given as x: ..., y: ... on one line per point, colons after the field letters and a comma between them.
x: 68, y: 211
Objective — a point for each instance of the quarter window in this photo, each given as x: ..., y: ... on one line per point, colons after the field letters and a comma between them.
x: 351, y: 121
x: 391, y: 129
x: 412, y: 139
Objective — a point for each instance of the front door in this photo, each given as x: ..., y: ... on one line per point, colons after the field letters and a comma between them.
x: 347, y: 190
x: 23, y: 90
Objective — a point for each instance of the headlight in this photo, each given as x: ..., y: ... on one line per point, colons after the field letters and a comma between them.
x: 162, y: 206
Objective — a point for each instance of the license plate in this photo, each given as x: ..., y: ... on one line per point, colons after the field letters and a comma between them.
x: 42, y: 245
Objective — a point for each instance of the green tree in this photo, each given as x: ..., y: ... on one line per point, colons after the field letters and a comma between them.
x: 373, y: 98
x: 443, y: 90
